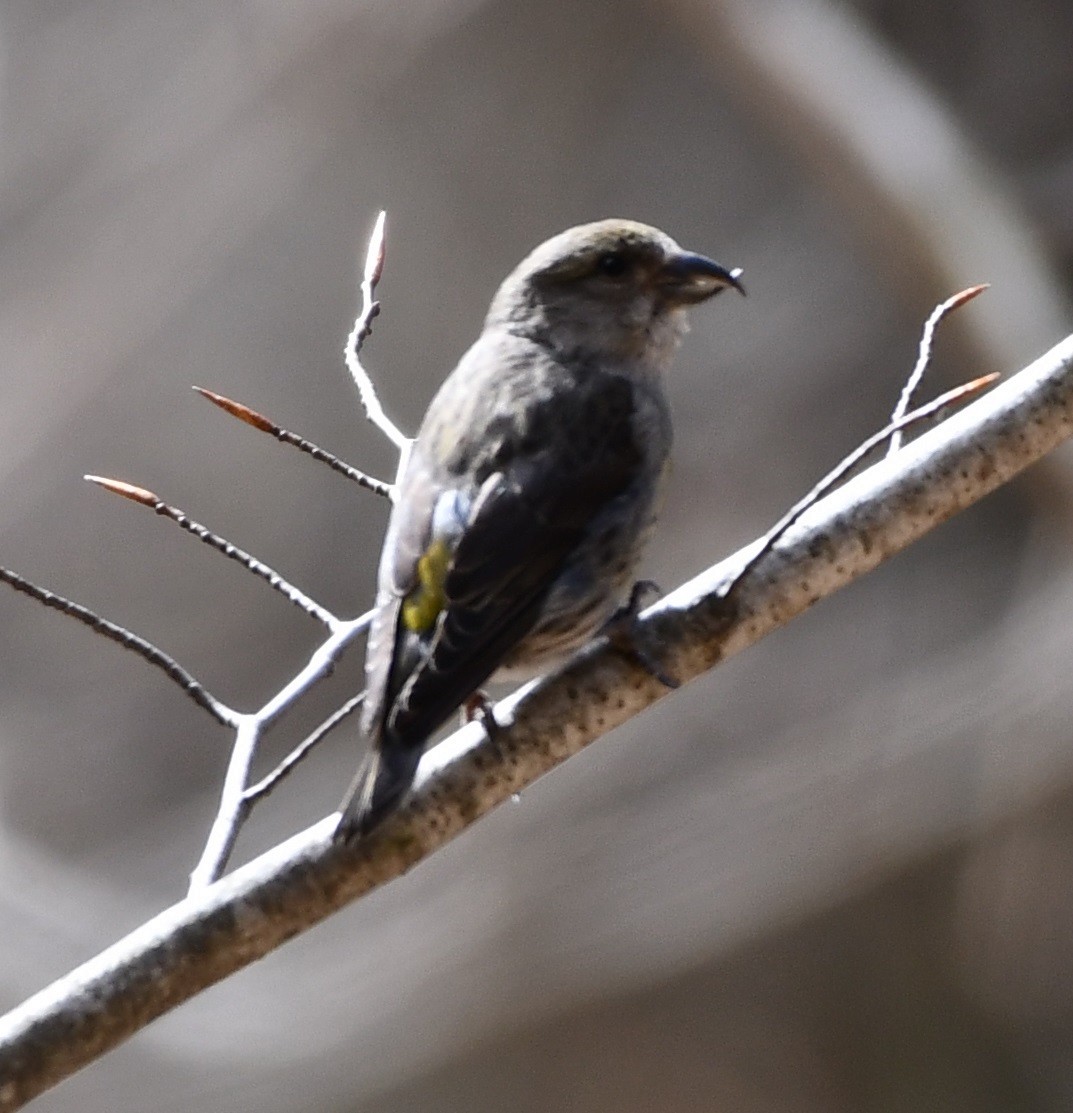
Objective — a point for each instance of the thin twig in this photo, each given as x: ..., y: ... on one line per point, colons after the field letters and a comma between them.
x: 234, y: 803
x: 900, y: 420
x: 845, y: 466
x: 905, y: 399
x: 187, y: 682
x: 320, y: 664
x: 266, y: 425
x: 232, y: 812
x: 234, y: 808
x: 264, y: 786
x: 144, y: 497
x: 370, y: 308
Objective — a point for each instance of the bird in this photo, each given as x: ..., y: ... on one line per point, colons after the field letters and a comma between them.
x: 532, y: 485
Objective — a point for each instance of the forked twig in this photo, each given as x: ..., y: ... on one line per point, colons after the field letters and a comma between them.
x: 237, y: 795
x: 267, y: 783
x: 233, y: 808
x: 843, y: 469
x: 236, y: 799
x: 900, y: 420
x: 905, y: 399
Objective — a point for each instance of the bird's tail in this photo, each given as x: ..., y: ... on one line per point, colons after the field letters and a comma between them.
x: 385, y: 776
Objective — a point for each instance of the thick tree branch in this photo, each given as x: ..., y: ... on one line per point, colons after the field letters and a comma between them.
x: 247, y: 914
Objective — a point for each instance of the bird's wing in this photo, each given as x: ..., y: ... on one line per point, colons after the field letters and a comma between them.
x: 540, y: 495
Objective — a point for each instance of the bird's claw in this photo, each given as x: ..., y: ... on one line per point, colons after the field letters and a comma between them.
x: 478, y: 707
x: 622, y: 632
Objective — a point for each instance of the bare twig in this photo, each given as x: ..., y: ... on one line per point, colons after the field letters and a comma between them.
x: 900, y: 420
x: 905, y: 399
x: 266, y: 425
x: 846, y: 466
x: 235, y: 799
x: 230, y: 924
x: 233, y: 810
x: 144, y: 497
x: 266, y: 785
x: 234, y: 803
x: 234, y: 807
x: 187, y: 682
x: 370, y: 308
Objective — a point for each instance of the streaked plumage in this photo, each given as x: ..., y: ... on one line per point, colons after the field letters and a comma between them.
x: 530, y: 488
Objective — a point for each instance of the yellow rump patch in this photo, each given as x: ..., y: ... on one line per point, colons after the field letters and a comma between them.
x: 422, y: 606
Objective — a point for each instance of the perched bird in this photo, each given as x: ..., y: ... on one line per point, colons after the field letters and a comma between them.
x: 529, y: 490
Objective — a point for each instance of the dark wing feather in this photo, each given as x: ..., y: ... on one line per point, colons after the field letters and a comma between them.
x: 528, y: 519
x: 542, y: 469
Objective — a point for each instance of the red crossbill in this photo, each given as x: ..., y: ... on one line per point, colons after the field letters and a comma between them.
x: 530, y: 488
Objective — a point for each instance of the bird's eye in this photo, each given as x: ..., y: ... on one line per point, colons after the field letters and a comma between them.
x: 612, y: 264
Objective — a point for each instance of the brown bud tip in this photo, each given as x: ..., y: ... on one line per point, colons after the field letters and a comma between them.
x: 968, y: 294
x: 966, y: 391
x: 125, y: 490
x: 984, y: 381
x: 237, y: 409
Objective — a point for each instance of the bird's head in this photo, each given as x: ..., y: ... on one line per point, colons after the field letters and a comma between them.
x: 614, y: 288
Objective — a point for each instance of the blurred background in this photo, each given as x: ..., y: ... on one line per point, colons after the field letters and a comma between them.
x: 834, y: 875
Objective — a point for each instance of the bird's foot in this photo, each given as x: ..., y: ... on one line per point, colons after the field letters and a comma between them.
x: 480, y: 708
x: 622, y: 631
